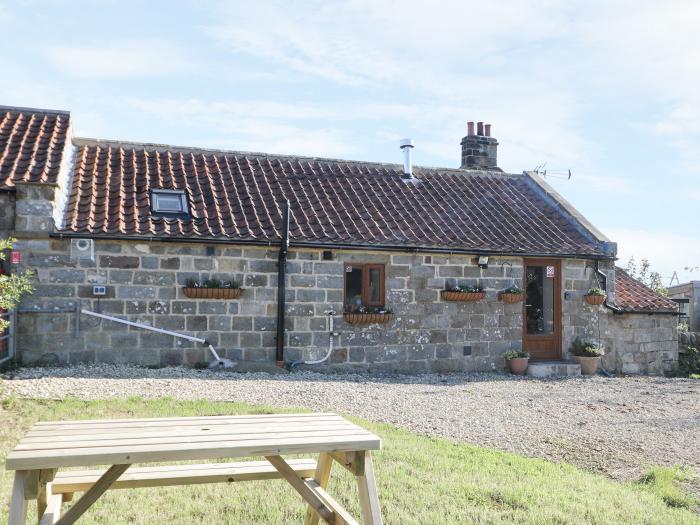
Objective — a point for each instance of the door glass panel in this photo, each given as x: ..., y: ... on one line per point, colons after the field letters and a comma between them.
x: 375, y: 286
x: 539, y: 300
x: 353, y: 287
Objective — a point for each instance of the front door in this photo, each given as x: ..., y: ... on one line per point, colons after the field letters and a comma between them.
x: 542, y: 309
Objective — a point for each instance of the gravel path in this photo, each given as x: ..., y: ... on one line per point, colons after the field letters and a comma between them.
x: 615, y: 426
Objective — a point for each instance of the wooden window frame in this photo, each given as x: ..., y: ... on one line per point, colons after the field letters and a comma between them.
x: 366, y: 269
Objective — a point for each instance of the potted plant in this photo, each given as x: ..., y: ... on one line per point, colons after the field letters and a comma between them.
x: 517, y: 361
x: 512, y: 294
x: 587, y: 355
x: 212, y: 289
x: 463, y: 293
x: 368, y: 315
x: 595, y: 296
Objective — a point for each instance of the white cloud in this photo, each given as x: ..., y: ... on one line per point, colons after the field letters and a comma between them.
x: 122, y: 58
x: 667, y: 252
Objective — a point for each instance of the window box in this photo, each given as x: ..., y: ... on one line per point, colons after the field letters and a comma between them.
x: 366, y: 318
x: 511, y: 298
x: 212, y: 289
x: 460, y: 296
x: 211, y: 293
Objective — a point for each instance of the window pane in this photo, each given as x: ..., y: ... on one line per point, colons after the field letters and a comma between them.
x: 353, y: 286
x: 168, y: 202
x: 539, y: 306
x: 375, y: 286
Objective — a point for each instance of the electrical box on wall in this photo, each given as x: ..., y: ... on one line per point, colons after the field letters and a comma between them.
x: 99, y: 290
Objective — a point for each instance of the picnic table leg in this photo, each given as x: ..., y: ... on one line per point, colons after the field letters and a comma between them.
x: 18, y: 503
x: 44, y: 491
x: 322, y: 475
x: 92, y: 494
x: 369, y: 499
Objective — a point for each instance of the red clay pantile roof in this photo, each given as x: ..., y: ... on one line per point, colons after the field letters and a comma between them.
x: 32, y: 142
x: 633, y: 296
x: 239, y: 196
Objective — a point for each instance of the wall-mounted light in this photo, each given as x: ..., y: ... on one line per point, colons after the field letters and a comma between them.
x: 483, y: 262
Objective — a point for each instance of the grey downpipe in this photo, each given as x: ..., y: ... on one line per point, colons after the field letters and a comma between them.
x: 282, y: 285
x: 331, y: 335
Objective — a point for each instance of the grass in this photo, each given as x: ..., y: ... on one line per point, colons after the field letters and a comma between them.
x: 421, y: 480
x: 665, y: 482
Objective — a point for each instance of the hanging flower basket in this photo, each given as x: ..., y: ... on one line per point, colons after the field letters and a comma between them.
x: 594, y: 299
x: 511, y: 298
x: 459, y: 296
x: 367, y: 318
x: 211, y: 293
x: 512, y: 295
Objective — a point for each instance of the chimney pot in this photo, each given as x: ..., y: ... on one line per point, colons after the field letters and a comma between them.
x: 470, y: 129
x: 480, y: 128
x: 487, y: 130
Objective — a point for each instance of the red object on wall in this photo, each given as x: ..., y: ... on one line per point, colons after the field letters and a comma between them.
x: 15, y: 257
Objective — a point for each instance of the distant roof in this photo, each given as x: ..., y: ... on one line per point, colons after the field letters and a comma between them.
x: 240, y: 196
x: 32, y: 142
x: 633, y: 296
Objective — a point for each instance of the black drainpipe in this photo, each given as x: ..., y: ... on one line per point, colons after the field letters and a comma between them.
x: 282, y: 284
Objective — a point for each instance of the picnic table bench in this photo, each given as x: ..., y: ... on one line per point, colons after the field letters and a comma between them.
x: 49, y: 446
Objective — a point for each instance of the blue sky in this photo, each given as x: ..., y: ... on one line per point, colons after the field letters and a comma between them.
x: 606, y: 89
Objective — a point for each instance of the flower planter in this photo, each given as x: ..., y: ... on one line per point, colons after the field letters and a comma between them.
x: 212, y: 293
x: 511, y: 298
x: 368, y: 318
x: 518, y: 365
x: 595, y: 300
x: 589, y: 365
x: 457, y: 296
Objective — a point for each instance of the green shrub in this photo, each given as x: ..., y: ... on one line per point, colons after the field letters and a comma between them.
x: 586, y: 349
x: 689, y: 362
x: 515, y: 354
x: 595, y: 291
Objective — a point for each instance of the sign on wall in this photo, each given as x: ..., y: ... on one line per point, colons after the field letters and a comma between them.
x: 550, y: 271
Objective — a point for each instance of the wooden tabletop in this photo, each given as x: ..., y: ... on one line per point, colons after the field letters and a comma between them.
x: 121, y: 441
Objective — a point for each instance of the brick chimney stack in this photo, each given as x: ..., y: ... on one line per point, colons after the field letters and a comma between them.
x: 479, y: 149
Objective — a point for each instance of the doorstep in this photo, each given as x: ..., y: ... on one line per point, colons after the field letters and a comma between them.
x: 553, y: 369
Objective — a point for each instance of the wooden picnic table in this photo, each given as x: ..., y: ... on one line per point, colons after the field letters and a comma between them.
x: 120, y: 443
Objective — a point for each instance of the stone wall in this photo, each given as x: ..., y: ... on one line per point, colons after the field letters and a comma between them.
x: 144, y: 284
x: 7, y: 213
x: 642, y: 343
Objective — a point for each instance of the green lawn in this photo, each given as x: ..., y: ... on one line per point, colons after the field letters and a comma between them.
x: 421, y: 480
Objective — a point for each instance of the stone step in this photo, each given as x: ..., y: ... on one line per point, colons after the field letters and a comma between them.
x: 553, y: 369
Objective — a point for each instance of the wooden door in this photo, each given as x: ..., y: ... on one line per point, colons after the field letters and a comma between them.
x: 542, y: 309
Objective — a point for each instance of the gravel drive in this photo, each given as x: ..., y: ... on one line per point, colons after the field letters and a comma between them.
x: 616, y: 426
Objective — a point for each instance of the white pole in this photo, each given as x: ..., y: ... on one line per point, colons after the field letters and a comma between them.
x: 145, y: 326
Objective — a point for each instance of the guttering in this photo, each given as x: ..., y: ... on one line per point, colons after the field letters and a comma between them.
x: 328, y: 246
x: 282, y: 285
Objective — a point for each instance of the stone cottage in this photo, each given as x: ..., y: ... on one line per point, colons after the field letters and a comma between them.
x: 123, y: 229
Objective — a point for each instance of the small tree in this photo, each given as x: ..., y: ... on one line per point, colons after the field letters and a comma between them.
x: 644, y: 274
x: 12, y: 287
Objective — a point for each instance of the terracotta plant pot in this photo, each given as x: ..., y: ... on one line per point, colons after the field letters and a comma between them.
x: 368, y: 318
x: 595, y: 300
x: 589, y: 365
x: 518, y: 365
x: 457, y: 296
x: 511, y: 298
x: 212, y: 293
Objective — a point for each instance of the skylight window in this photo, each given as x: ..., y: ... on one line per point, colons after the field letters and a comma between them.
x: 169, y: 203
